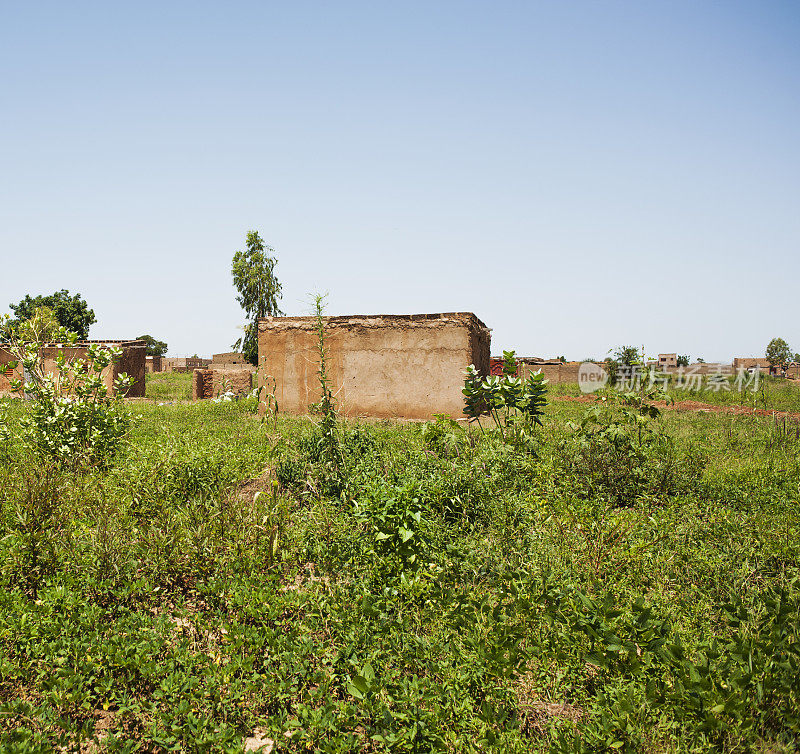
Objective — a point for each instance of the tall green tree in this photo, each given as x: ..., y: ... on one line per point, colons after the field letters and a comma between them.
x: 153, y: 347
x: 71, y: 312
x: 253, y: 273
x: 778, y: 353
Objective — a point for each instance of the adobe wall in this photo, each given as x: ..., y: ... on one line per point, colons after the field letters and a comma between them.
x: 183, y: 363
x: 209, y: 383
x: 409, y: 366
x: 227, y: 360
x: 132, y: 363
x: 554, y: 372
x: 152, y: 364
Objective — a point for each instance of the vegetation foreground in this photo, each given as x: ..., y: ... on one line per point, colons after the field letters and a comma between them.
x: 618, y: 582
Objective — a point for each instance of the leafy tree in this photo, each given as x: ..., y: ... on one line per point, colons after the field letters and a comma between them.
x: 71, y: 312
x: 778, y: 353
x: 154, y: 347
x: 683, y: 360
x: 626, y: 356
x: 253, y: 273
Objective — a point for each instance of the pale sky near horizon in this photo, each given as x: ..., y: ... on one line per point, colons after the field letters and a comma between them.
x: 578, y: 174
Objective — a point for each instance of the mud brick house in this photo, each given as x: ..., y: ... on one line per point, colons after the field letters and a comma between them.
x: 132, y: 363
x: 152, y: 364
x: 229, y: 361
x: 555, y: 371
x: 750, y: 362
x: 183, y: 363
x: 410, y: 366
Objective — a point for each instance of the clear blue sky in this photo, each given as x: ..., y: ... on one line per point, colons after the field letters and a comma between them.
x: 578, y: 174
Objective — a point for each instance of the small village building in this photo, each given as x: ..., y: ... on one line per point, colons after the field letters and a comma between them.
x: 383, y: 365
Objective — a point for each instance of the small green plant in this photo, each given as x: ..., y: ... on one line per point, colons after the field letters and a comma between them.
x: 445, y: 436
x: 267, y: 400
x: 327, y: 426
x: 516, y: 405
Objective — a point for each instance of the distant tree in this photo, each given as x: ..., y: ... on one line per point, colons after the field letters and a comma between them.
x: 627, y: 356
x: 624, y: 356
x: 154, y: 347
x: 700, y: 361
x: 683, y: 360
x: 562, y: 359
x: 778, y: 353
x: 796, y: 358
x: 253, y: 273
x: 71, y: 312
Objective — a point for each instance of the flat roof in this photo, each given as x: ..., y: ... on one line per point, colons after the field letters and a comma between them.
x: 342, y: 318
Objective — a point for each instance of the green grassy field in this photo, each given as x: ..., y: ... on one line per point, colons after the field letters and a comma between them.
x: 169, y: 386
x: 421, y: 589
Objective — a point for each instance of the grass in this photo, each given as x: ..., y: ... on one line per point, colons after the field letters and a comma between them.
x: 434, y: 590
x: 168, y: 386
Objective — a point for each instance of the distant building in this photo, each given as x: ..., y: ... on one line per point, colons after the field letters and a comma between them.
x: 228, y: 360
x: 153, y: 364
x: 183, y: 363
x: 749, y: 363
x: 667, y: 361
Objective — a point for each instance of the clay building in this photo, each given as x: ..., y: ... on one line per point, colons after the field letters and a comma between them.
x: 229, y: 360
x: 132, y: 363
x: 183, y: 363
x: 751, y: 362
x: 409, y: 366
x: 555, y: 371
x: 153, y: 364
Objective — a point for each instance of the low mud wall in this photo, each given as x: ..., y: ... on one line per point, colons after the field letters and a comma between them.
x: 209, y: 383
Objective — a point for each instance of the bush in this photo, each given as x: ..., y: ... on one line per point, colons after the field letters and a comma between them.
x: 621, y: 452
x: 72, y: 421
